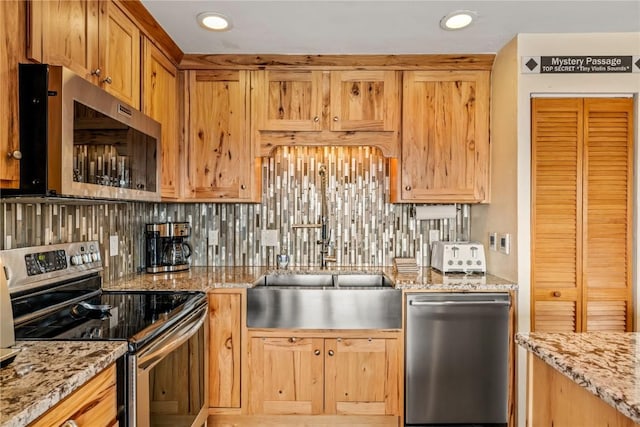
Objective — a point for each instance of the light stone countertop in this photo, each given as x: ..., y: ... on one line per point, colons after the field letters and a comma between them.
x: 208, y: 278
x: 605, y: 363
x: 45, y: 372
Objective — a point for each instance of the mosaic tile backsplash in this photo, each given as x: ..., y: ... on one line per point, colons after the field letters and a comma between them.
x: 365, y: 228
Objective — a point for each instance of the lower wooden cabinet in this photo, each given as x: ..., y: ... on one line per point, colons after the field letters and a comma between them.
x: 94, y: 404
x: 323, y: 375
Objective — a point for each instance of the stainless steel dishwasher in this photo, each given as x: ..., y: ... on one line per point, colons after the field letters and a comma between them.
x: 456, y: 370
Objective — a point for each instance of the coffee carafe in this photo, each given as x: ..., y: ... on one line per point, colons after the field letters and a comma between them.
x: 166, y: 247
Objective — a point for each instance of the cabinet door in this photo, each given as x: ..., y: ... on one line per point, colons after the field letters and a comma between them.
x: 445, y: 136
x: 160, y: 102
x: 286, y: 376
x: 361, y: 376
x: 220, y: 163
x: 364, y: 101
x: 12, y: 32
x: 287, y: 100
x: 224, y: 350
x: 65, y: 33
x: 119, y: 54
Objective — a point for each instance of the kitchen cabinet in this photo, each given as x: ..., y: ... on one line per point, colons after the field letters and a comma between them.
x: 94, y: 404
x: 95, y: 39
x: 220, y: 164
x: 324, y: 374
x: 13, y: 32
x: 581, y: 222
x: 318, y: 108
x: 160, y: 102
x: 225, y: 314
x: 445, y: 138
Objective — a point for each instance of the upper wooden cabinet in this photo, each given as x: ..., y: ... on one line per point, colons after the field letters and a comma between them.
x: 445, y: 138
x: 220, y: 165
x: 582, y: 214
x: 160, y: 102
x: 315, y: 375
x: 310, y: 107
x: 95, y: 39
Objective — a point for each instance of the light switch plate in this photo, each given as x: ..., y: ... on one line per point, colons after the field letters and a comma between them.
x: 504, y: 243
x: 493, y: 241
x: 434, y: 236
x: 269, y: 238
x: 212, y: 238
x: 113, y: 245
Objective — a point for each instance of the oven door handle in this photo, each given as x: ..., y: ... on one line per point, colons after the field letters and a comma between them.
x: 174, y: 339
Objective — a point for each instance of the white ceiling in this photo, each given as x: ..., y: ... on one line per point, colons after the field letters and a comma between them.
x: 376, y: 27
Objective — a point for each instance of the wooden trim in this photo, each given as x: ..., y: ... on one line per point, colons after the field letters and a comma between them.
x: 325, y: 333
x: 302, y: 420
x: 152, y: 28
x: 337, y: 62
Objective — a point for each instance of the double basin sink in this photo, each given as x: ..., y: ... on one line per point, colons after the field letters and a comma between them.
x: 324, y: 301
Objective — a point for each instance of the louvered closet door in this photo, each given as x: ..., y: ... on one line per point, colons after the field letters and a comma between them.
x: 607, y: 207
x: 556, y: 130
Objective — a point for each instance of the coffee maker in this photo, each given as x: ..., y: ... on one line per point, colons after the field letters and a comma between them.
x: 166, y: 247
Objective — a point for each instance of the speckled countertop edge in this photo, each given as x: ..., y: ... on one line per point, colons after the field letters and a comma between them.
x: 605, y: 364
x: 45, y: 372
x: 209, y: 278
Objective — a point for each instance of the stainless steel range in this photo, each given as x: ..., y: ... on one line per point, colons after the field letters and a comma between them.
x: 56, y: 294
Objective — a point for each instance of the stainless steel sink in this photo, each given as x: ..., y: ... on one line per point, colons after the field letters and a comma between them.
x: 324, y: 301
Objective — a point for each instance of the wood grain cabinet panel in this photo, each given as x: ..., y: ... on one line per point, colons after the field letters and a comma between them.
x: 220, y: 162
x: 445, y: 137
x: 224, y: 349
x: 581, y: 214
x: 319, y: 108
x: 93, y: 38
x: 160, y: 102
x: 94, y: 404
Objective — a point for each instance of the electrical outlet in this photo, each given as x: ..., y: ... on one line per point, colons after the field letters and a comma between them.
x: 493, y: 241
x: 434, y: 236
x: 113, y: 245
x: 504, y: 243
x: 269, y: 238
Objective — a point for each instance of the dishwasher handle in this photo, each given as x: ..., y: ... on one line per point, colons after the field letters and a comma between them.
x: 445, y: 303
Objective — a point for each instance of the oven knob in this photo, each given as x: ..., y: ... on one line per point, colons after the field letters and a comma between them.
x: 76, y: 260
x: 86, y: 258
x: 95, y: 256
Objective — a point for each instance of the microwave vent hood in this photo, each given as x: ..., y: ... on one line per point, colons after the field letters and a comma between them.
x: 79, y: 142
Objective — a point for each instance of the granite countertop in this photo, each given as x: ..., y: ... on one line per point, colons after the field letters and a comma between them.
x: 207, y: 278
x: 605, y: 363
x: 45, y: 372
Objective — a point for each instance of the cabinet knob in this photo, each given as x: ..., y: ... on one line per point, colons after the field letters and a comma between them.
x: 556, y: 294
x: 243, y: 187
x: 107, y: 80
x: 317, y: 352
x: 408, y: 188
x: 17, y: 154
x: 70, y: 423
x: 292, y: 339
x: 316, y: 119
x: 335, y: 118
x: 96, y: 72
x: 331, y: 353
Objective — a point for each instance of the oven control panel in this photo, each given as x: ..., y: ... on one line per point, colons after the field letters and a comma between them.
x: 44, y: 262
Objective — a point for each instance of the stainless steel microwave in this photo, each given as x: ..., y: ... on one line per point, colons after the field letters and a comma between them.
x: 77, y: 140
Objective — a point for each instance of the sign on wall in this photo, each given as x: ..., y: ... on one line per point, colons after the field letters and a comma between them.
x: 580, y: 64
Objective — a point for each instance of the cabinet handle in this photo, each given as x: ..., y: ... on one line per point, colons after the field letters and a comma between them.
x: 408, y: 188
x: 70, y: 423
x: 316, y: 119
x: 556, y: 294
x: 331, y: 353
x: 17, y: 154
x: 317, y: 352
x: 96, y: 72
x: 292, y: 339
x: 107, y: 80
x: 335, y: 118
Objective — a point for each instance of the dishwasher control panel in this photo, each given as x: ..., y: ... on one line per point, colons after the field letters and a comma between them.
x: 458, y: 257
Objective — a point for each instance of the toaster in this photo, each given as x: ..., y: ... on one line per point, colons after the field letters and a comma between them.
x: 458, y: 257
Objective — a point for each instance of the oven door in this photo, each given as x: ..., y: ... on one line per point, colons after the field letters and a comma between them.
x: 169, y: 377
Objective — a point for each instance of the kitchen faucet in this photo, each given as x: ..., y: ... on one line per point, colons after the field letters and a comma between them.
x: 325, y: 233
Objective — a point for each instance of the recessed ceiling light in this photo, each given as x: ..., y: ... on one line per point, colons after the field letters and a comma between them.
x: 457, y: 20
x: 214, y: 21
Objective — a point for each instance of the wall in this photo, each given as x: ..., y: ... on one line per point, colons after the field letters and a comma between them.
x: 366, y: 228
x: 562, y: 85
